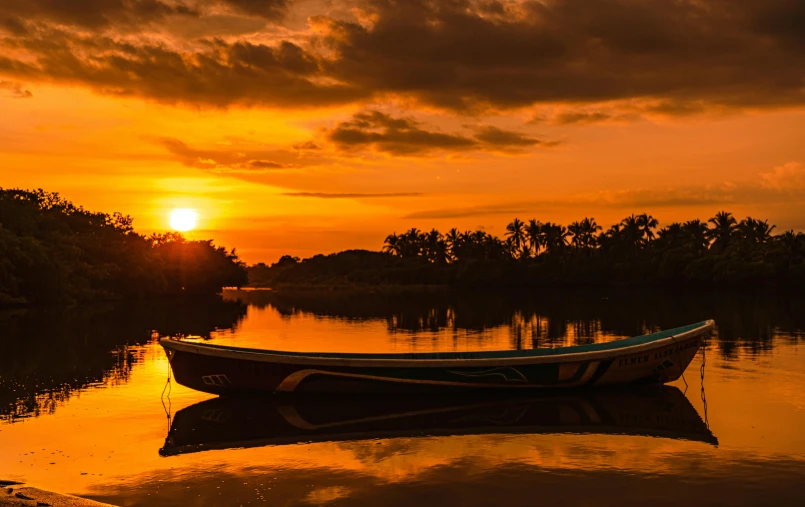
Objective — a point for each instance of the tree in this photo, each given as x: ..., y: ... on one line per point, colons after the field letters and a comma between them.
x: 695, y: 233
x: 453, y: 239
x: 534, y: 235
x: 53, y: 251
x: 555, y: 238
x: 724, y: 224
x: 632, y: 233
x: 647, y: 224
x: 515, y: 231
x: 393, y: 244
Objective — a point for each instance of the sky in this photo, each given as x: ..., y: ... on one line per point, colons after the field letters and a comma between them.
x: 313, y: 126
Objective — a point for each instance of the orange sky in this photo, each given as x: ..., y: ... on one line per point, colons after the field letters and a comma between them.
x: 306, y: 126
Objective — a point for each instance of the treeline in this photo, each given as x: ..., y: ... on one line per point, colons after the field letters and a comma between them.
x: 53, y: 251
x: 635, y: 251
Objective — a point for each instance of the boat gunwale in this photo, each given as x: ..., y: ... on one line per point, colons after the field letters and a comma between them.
x: 597, y: 351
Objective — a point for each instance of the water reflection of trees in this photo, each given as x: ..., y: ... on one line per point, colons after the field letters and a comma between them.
x: 747, y: 321
x: 47, y: 354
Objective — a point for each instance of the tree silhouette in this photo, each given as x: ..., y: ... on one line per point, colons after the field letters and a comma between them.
x: 536, y: 238
x: 54, y: 251
x: 647, y: 223
x: 724, y: 225
x: 515, y: 232
x: 634, y: 250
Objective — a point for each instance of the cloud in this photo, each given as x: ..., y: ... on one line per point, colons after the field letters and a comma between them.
x: 395, y: 136
x: 265, y: 164
x: 495, y: 137
x: 466, y: 56
x: 306, y: 146
x: 219, y: 74
x: 785, y: 178
x: 250, y: 161
x: 381, y: 132
x: 458, y: 56
x: 17, y: 90
x: 268, y: 9
x: 636, y: 200
x: 94, y: 14
x: 328, y: 195
x: 589, y: 116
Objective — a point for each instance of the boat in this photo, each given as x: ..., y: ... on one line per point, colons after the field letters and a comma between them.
x: 648, y: 359
x: 244, y: 422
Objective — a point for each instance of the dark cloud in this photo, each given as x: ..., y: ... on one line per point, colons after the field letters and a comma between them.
x: 587, y: 116
x: 405, y: 136
x: 462, y: 56
x: 95, y: 14
x: 327, y: 195
x: 307, y: 145
x: 493, y: 136
x: 17, y: 90
x: 225, y: 159
x: 265, y: 164
x: 269, y: 9
x: 397, y: 136
x: 14, y: 26
x: 680, y: 56
x: 221, y: 74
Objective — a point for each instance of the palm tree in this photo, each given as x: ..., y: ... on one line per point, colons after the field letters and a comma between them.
x: 453, y: 239
x: 632, y: 233
x: 647, y: 223
x: 434, y: 251
x: 555, y: 237
x: 589, y: 232
x: 695, y: 232
x: 412, y: 243
x: 763, y: 231
x: 724, y: 224
x: 515, y: 232
x: 671, y: 236
x: 576, y: 231
x: 392, y: 244
x: 534, y: 235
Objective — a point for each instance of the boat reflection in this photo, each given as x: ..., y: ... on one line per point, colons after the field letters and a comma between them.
x: 223, y: 423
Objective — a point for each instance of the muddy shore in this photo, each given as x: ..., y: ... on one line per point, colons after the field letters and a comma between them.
x: 15, y: 494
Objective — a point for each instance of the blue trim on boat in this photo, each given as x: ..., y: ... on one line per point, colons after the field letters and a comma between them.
x: 573, y: 349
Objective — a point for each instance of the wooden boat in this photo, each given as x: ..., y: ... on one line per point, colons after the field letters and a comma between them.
x: 653, y: 358
x: 236, y: 422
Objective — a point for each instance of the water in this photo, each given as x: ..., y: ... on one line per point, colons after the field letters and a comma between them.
x: 81, y: 410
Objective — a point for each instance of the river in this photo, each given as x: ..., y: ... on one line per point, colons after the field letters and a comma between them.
x: 86, y: 407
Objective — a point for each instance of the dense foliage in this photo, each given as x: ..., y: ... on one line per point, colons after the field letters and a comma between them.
x: 54, y: 251
x: 721, y: 251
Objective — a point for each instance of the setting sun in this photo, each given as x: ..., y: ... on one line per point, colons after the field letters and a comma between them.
x: 184, y: 219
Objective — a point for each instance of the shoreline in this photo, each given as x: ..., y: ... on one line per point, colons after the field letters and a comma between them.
x: 14, y: 493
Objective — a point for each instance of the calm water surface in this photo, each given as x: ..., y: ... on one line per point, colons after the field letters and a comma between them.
x: 81, y: 405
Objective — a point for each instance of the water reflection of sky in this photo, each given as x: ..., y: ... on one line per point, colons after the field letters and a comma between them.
x: 103, y: 439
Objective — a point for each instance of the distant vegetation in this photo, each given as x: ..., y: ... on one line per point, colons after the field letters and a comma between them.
x: 53, y: 251
x: 721, y: 251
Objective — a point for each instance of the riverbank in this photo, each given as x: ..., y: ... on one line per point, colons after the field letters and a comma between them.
x: 18, y: 494
x: 645, y: 269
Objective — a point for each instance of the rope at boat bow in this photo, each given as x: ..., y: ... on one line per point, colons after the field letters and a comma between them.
x: 162, y: 398
x: 679, y: 358
x: 704, y: 398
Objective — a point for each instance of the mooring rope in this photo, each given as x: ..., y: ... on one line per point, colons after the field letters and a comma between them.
x: 704, y: 398
x: 679, y: 358
x: 167, y: 407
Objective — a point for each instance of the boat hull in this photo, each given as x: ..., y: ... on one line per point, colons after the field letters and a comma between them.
x: 230, y: 370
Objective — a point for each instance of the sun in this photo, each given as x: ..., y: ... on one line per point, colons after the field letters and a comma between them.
x: 183, y: 219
